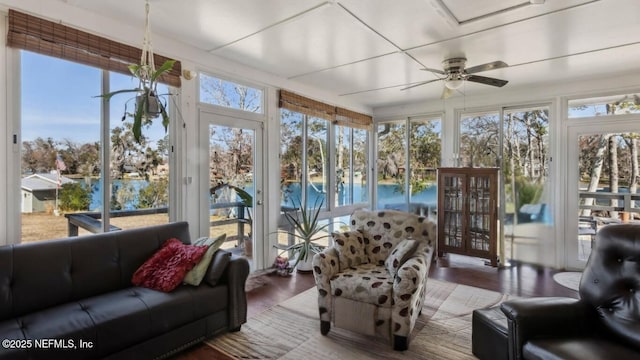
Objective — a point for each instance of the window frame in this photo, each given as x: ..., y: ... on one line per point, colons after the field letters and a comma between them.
x: 331, y: 210
x: 229, y: 111
x: 590, y: 101
x: 407, y: 122
x: 14, y: 225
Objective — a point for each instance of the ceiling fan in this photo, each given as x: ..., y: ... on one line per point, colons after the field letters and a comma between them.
x: 455, y: 74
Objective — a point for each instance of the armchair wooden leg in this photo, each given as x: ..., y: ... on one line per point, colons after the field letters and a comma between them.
x: 400, y: 343
x: 325, y: 326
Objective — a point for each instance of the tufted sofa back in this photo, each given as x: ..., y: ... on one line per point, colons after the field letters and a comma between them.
x: 35, y: 276
x: 611, y: 280
x: 384, y: 229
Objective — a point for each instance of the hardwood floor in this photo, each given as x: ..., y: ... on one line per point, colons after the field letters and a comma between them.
x: 519, y: 279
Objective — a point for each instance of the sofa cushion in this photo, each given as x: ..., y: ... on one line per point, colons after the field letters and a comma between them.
x: 217, y: 267
x: 67, y: 269
x: 168, y: 266
x: 64, y: 322
x: 403, y: 251
x: 350, y: 248
x: 368, y: 283
x: 146, y: 313
x: 116, y: 320
x: 195, y: 275
x: 587, y: 348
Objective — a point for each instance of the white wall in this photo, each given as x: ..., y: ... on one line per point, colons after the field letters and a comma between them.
x: 5, y: 149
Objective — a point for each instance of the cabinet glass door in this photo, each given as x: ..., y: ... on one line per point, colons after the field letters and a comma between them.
x: 453, y: 199
x: 479, y: 212
x: 467, y: 212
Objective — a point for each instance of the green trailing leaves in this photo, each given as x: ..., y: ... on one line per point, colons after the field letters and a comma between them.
x: 167, y: 66
x: 144, y: 92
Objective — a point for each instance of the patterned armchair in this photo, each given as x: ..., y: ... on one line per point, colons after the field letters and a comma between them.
x: 373, y: 279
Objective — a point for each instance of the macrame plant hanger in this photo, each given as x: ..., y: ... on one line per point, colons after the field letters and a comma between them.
x: 148, y: 68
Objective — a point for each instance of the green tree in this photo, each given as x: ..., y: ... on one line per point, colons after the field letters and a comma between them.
x: 74, y: 197
x: 479, y: 138
x: 130, y: 155
x: 125, y: 193
x: 391, y: 145
x: 39, y: 155
x: 291, y: 145
x: 154, y: 195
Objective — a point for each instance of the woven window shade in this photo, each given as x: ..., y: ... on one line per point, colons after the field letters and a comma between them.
x: 53, y: 39
x: 340, y: 116
x: 353, y: 119
x: 304, y: 105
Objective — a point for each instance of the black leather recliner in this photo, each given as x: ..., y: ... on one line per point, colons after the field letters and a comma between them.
x: 603, y: 324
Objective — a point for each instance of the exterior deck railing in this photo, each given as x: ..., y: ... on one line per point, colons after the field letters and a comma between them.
x: 240, y: 220
x: 91, y: 221
x: 625, y: 201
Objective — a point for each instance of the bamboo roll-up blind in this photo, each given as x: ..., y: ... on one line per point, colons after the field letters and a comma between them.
x: 338, y: 115
x: 304, y: 105
x: 353, y: 119
x: 45, y: 37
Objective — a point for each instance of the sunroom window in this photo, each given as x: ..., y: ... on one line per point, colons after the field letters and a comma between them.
x: 81, y: 171
x: 62, y: 172
x: 230, y: 94
x: 323, y: 156
x: 604, y: 106
x: 409, y: 152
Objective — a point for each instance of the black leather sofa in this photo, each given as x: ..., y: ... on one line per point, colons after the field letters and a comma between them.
x: 603, y: 324
x: 73, y: 299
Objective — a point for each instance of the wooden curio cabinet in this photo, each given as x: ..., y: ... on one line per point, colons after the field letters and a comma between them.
x: 468, y: 212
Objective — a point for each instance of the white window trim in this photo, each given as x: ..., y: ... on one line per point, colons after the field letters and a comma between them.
x: 13, y: 215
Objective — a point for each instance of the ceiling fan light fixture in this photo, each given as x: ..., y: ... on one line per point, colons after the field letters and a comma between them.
x: 453, y: 84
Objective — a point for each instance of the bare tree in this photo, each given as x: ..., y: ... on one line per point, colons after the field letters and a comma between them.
x: 596, y: 169
x: 614, y: 174
x: 632, y: 143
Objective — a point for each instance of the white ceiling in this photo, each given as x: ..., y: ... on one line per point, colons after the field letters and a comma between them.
x: 367, y: 50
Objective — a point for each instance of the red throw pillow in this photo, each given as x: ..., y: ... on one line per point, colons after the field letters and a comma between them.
x: 165, y: 270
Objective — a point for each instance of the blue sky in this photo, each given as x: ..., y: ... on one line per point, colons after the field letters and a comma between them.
x: 58, y: 100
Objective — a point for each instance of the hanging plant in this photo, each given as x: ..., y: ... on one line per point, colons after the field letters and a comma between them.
x: 148, y: 103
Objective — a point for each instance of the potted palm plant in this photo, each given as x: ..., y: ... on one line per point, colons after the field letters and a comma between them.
x: 304, y: 226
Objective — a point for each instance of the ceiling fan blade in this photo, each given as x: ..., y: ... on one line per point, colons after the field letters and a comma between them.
x: 434, y: 71
x: 486, y: 67
x: 487, y: 80
x: 420, y: 84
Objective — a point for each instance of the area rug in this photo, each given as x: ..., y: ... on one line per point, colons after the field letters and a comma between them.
x: 568, y: 279
x: 257, y: 279
x: 291, y: 330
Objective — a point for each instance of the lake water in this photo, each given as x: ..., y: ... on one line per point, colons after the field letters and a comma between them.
x: 96, y: 192
x: 388, y: 194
